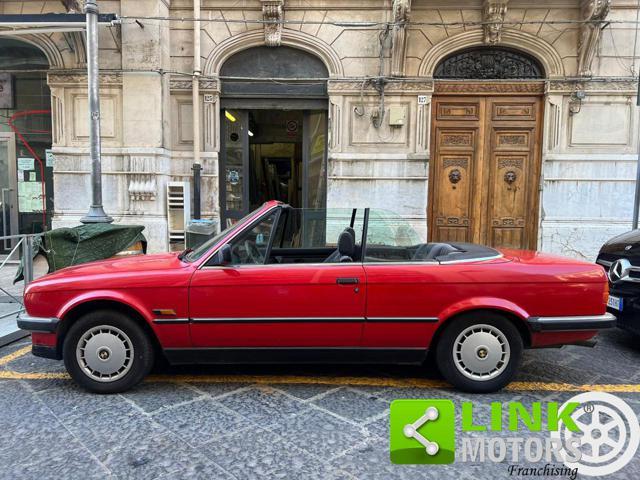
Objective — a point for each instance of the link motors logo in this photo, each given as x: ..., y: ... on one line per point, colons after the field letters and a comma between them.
x: 608, y: 438
x: 593, y: 434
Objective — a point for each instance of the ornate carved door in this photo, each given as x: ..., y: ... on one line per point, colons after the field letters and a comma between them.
x: 485, y: 169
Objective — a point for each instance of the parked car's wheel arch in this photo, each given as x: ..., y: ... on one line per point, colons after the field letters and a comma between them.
x: 77, y: 311
x: 517, y: 321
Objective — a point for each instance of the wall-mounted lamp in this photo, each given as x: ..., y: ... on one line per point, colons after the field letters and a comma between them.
x: 575, y: 102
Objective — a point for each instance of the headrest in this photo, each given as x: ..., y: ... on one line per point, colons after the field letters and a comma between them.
x: 346, y: 244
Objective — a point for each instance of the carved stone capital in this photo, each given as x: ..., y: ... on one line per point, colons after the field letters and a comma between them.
x: 272, y: 11
x: 493, y: 13
x: 595, y: 11
x: 401, y: 11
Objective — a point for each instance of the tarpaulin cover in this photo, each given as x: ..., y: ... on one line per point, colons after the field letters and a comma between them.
x: 63, y: 247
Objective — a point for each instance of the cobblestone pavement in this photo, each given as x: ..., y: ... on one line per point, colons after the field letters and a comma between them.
x: 297, y: 422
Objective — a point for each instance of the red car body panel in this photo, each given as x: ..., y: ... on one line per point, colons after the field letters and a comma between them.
x: 392, y: 305
x: 140, y: 283
x: 299, y: 291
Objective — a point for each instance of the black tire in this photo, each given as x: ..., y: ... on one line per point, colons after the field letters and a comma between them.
x: 140, y: 362
x: 448, y: 366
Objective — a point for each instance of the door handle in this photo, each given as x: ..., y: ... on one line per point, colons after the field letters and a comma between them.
x: 347, y: 281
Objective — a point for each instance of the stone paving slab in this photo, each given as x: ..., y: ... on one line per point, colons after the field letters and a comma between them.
x: 322, y: 429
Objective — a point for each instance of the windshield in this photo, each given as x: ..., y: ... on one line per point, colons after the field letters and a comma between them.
x: 206, y: 246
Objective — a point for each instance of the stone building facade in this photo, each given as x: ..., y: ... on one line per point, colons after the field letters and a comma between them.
x: 508, y: 122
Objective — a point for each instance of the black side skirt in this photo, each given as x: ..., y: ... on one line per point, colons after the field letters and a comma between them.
x: 182, y: 356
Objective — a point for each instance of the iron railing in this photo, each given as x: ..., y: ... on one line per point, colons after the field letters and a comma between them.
x: 21, y: 252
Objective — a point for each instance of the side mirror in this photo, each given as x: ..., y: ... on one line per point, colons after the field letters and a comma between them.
x: 223, y: 256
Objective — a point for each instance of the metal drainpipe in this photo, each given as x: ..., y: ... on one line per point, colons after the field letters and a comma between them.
x: 96, y: 213
x: 196, y: 86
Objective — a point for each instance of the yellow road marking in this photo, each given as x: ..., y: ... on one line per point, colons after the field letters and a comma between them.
x: 9, y: 375
x: 341, y: 381
x: 14, y: 355
x: 319, y: 380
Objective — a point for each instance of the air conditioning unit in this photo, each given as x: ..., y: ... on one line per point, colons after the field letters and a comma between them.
x: 178, y: 213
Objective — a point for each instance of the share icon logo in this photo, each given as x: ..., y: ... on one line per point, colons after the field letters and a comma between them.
x: 422, y: 431
x: 411, y: 430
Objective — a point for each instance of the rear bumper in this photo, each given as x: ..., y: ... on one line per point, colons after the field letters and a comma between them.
x: 569, y: 324
x: 37, y: 324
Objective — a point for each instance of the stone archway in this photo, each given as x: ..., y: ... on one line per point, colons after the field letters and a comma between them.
x: 542, y: 51
x: 290, y: 38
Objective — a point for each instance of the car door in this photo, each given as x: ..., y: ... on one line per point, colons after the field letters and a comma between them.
x: 403, y: 287
x: 250, y: 303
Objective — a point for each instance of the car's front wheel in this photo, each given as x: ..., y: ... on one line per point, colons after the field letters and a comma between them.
x: 479, y: 352
x: 107, y: 352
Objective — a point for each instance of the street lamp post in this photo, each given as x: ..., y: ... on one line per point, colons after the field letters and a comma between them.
x: 96, y: 213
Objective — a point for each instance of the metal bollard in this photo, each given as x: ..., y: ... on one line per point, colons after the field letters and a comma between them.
x: 27, y: 255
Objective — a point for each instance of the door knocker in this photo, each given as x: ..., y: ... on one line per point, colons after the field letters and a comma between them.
x: 510, y: 177
x: 455, y: 176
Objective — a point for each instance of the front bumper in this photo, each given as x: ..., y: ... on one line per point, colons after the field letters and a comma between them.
x: 570, y: 324
x: 37, y: 324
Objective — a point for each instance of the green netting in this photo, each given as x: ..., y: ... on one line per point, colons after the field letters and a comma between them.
x: 63, y: 247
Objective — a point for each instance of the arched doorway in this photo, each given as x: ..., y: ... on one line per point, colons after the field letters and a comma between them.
x: 26, y: 176
x: 486, y: 148
x: 273, y: 130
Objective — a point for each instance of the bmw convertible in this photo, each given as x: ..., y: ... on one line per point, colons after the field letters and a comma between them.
x: 287, y: 285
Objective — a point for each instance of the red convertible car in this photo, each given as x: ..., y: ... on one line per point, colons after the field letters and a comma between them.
x: 296, y: 285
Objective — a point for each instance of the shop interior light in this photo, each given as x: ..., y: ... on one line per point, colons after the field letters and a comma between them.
x: 250, y: 133
x: 229, y: 116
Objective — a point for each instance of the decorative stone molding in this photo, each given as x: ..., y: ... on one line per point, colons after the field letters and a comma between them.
x: 493, y: 13
x: 74, y: 78
x: 517, y: 39
x: 272, y: 11
x: 617, y: 86
x: 553, y: 122
x: 423, y: 122
x: 335, y: 125
x: 211, y: 113
x: 57, y: 116
x: 394, y: 86
x: 186, y: 84
x: 181, y: 84
x: 254, y: 38
x: 462, y: 88
x: 207, y: 84
x: 592, y: 11
x: 401, y: 11
x: 141, y: 182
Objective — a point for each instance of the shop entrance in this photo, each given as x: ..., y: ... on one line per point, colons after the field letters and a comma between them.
x: 273, y: 130
x: 26, y: 162
x: 272, y: 155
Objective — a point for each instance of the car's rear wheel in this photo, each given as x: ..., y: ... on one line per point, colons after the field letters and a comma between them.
x: 479, y: 352
x: 107, y: 352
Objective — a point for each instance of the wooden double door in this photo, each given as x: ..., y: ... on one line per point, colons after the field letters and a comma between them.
x: 485, y: 170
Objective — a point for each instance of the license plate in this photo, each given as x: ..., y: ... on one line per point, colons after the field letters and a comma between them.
x: 615, y: 303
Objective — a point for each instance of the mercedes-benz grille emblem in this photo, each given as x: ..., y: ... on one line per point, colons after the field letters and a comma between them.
x: 619, y: 270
